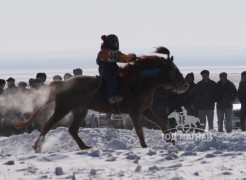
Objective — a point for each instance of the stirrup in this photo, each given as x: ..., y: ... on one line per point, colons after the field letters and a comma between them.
x: 111, y: 100
x: 115, y: 99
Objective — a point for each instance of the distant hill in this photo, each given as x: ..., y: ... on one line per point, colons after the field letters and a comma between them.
x: 183, y: 56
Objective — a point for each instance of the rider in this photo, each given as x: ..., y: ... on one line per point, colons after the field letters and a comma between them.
x: 182, y: 115
x: 184, y: 111
x: 107, y: 60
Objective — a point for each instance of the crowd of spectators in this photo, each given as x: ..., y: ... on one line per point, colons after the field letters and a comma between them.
x: 10, y: 92
x: 200, y: 100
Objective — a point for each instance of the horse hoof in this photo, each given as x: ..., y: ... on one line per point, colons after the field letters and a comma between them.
x: 38, y: 143
x: 35, y: 146
x: 144, y: 146
x: 85, y: 147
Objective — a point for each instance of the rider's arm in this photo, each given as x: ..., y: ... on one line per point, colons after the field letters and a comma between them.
x: 115, y: 56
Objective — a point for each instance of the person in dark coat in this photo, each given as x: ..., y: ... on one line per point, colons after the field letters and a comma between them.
x: 57, y: 78
x: 189, y: 96
x: 11, y: 87
x: 242, y: 99
x: 67, y: 76
x: 77, y: 72
x: 182, y: 103
x: 22, y: 86
x: 41, y: 76
x: 38, y: 83
x: 204, y: 100
x: 225, y: 94
x: 107, y: 60
x: 2, y: 85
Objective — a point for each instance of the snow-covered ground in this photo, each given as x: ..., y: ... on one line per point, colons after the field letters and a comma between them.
x: 116, y: 154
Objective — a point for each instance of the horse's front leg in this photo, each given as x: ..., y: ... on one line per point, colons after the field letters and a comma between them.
x: 138, y: 128
x: 154, y: 118
x: 177, y: 127
x: 183, y: 128
x: 188, y: 130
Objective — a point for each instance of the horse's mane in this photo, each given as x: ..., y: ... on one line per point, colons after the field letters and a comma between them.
x: 131, y: 71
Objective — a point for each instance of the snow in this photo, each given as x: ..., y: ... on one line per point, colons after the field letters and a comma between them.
x: 116, y: 154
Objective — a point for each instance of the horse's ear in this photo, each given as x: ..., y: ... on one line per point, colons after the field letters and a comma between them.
x: 171, y: 58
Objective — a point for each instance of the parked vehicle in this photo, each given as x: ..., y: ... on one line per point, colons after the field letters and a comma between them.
x: 121, y: 121
x: 235, y: 115
x: 118, y: 121
x: 91, y: 119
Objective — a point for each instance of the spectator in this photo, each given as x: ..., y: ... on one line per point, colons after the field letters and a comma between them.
x: 11, y: 96
x: 177, y: 101
x: 77, y: 72
x: 242, y: 99
x: 67, y: 76
x: 31, y: 83
x: 38, y: 83
x: 2, y: 85
x: 225, y: 94
x: 204, y: 100
x: 22, y: 86
x: 41, y: 76
x: 189, y: 96
x: 11, y: 87
x: 57, y: 78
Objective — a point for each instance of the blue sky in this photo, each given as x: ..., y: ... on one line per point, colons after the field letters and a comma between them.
x: 190, y: 28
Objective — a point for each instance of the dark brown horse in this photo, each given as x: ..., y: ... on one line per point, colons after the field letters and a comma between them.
x: 81, y: 93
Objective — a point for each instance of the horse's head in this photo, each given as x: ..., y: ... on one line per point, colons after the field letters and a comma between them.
x: 171, y: 115
x: 163, y: 71
x: 170, y: 77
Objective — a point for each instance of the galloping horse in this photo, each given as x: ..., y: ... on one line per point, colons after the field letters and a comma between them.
x: 81, y: 93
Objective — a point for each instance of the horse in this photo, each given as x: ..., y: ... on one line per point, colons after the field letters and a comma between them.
x: 81, y: 93
x: 182, y: 120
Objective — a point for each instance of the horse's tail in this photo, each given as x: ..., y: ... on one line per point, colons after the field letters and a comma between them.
x: 54, y: 88
x: 198, y: 121
x: 18, y: 123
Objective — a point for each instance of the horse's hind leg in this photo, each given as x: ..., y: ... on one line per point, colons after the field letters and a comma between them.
x: 138, y: 128
x: 57, y: 115
x: 78, y: 118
